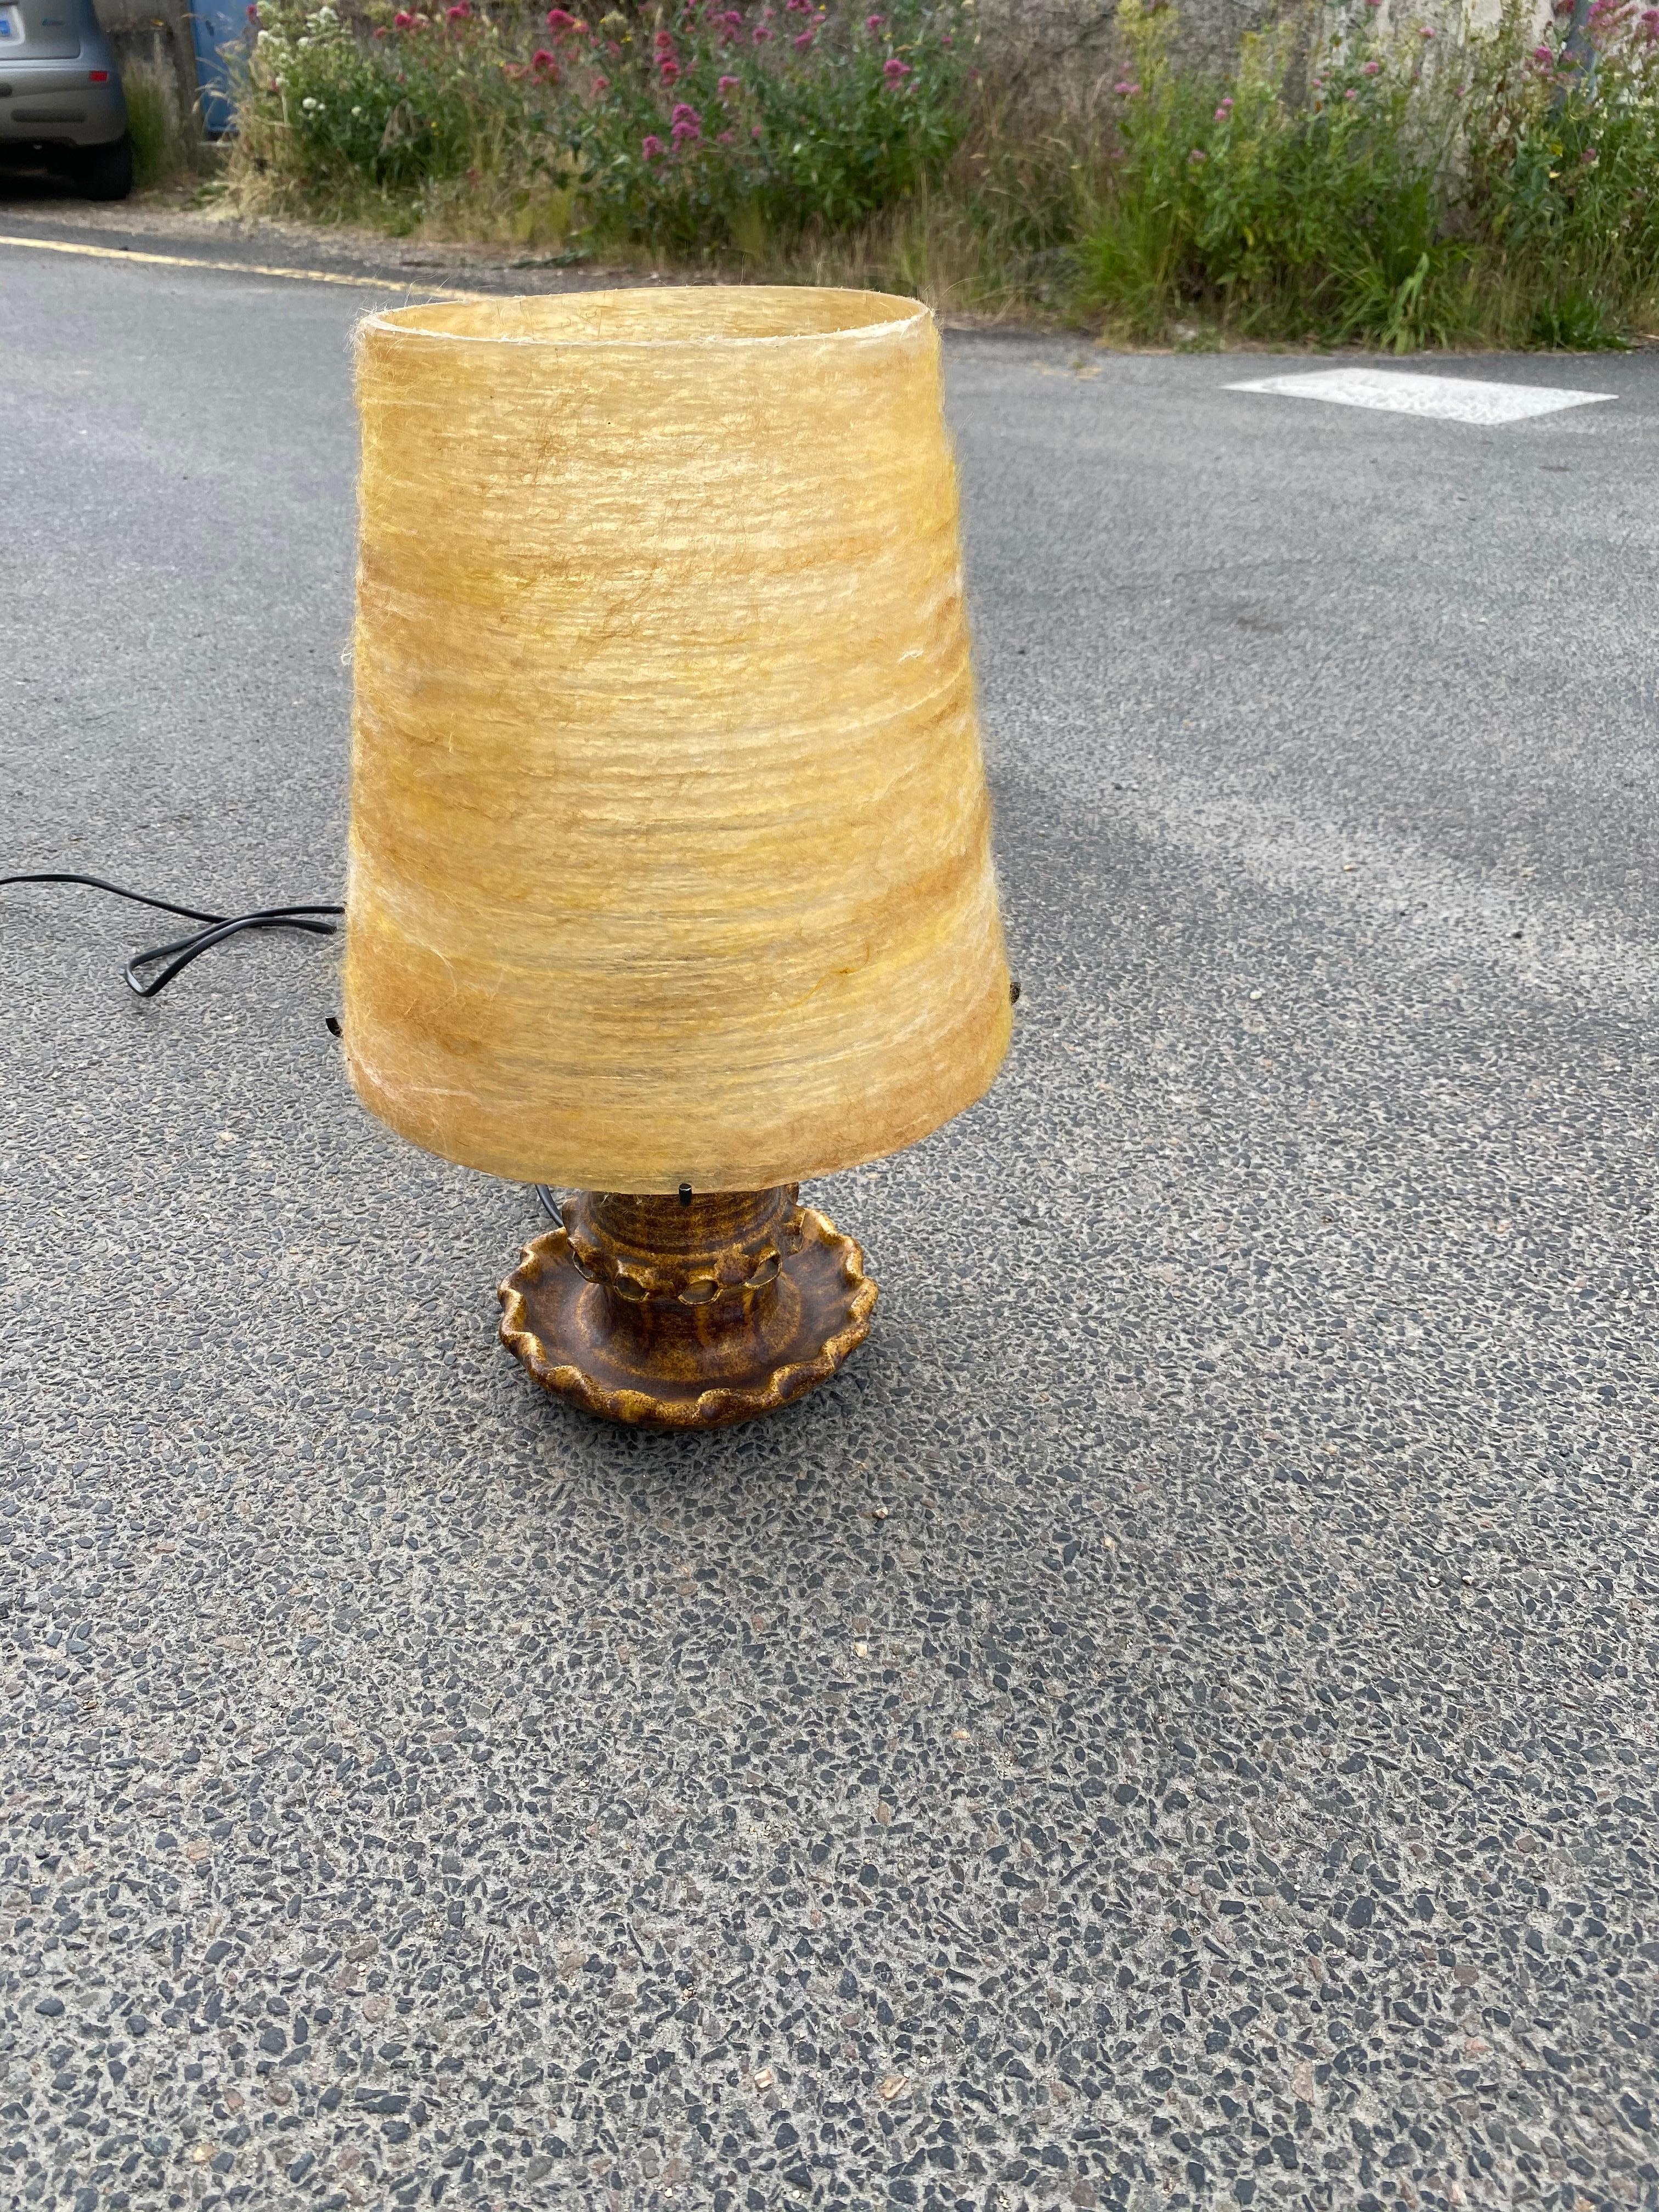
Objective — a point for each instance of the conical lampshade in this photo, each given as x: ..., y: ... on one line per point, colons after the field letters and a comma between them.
x: 671, y: 857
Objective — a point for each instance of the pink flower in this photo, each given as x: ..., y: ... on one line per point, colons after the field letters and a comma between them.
x: 403, y: 21
x: 1224, y: 112
x: 802, y: 44
x: 1649, y: 19
x: 559, y: 19
x: 1351, y: 94
x: 653, y: 148
x: 757, y: 132
x: 664, y: 42
x: 683, y: 132
x: 1544, y: 56
x: 684, y: 112
x: 798, y: 7
x: 874, y: 22
x: 895, y: 70
x: 1126, y: 90
x: 459, y: 13
x: 728, y: 85
x: 1371, y: 69
x: 726, y: 138
x: 761, y: 32
x: 1590, y: 157
x: 1424, y: 31
x: 1198, y: 154
x: 601, y: 84
x: 670, y: 68
x: 542, y: 62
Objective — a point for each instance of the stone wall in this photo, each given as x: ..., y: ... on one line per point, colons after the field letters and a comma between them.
x: 154, y: 34
x: 1057, y: 45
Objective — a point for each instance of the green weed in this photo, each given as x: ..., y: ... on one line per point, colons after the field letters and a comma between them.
x: 1401, y: 191
x: 714, y: 131
x: 1338, y: 185
x: 164, y: 147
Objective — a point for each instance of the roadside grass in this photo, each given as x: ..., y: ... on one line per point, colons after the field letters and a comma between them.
x: 1337, y: 185
x: 1393, y: 191
x: 166, y: 148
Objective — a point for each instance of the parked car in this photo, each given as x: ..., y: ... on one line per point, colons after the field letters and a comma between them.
x: 61, y: 103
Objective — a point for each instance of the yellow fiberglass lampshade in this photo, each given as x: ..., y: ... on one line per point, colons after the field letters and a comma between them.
x: 670, y: 860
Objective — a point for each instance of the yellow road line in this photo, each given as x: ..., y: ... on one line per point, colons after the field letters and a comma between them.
x: 245, y: 268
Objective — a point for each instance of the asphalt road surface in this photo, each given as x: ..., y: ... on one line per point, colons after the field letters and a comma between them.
x: 1173, y: 1725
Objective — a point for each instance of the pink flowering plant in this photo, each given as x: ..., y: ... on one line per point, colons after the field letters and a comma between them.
x: 1406, y: 187
x: 1561, y: 167
x: 721, y: 124
x: 687, y: 127
x: 1393, y: 183
x: 1232, y: 203
x: 390, y: 101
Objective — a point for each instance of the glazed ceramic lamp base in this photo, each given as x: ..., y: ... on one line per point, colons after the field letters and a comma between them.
x: 687, y: 1312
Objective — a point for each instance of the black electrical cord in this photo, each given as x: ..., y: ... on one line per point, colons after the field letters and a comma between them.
x: 183, y: 950
x: 217, y: 927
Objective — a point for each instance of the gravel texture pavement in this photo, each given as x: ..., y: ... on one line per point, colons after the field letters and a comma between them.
x: 1172, y: 1726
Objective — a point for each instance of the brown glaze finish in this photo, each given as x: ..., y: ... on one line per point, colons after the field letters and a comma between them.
x: 687, y: 1315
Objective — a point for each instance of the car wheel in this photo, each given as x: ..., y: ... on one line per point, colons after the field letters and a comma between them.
x: 104, y: 172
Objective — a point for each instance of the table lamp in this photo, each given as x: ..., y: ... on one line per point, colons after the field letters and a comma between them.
x: 670, y: 879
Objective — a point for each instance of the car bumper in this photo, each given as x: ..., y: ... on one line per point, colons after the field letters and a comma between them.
x: 53, y: 105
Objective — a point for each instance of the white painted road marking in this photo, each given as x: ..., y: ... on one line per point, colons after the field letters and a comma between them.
x: 1453, y: 399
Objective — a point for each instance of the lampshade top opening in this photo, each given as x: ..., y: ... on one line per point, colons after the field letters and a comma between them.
x: 686, y: 314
